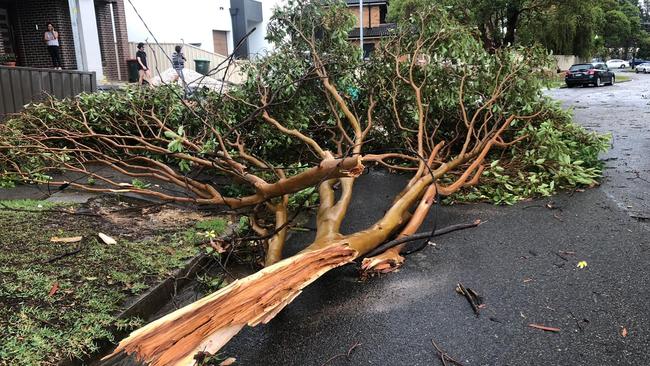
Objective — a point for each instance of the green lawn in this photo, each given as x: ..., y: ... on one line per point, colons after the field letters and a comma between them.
x: 54, y: 308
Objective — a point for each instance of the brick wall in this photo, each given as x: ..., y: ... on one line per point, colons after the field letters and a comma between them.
x: 110, y: 59
x: 122, y: 36
x: 31, y: 49
x: 371, y: 16
x: 366, y: 17
x: 374, y: 16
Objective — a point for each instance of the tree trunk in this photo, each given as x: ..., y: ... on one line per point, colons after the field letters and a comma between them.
x: 512, y: 20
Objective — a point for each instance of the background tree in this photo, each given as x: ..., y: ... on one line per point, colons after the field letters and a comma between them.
x: 501, y: 22
x: 572, y: 27
x: 567, y: 28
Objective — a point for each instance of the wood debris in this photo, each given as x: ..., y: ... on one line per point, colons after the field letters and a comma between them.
x: 107, y: 239
x: 206, y: 325
x: 444, y: 357
x: 543, y: 327
x: 474, y: 299
x: 73, y: 239
x: 228, y: 361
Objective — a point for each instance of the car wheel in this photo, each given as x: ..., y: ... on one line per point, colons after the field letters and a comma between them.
x: 613, y: 80
x: 598, y: 83
x: 637, y: 71
x: 570, y: 86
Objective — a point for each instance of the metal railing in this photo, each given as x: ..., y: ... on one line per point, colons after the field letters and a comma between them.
x: 22, y: 85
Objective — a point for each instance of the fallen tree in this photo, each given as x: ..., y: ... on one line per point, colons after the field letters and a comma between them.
x: 431, y: 102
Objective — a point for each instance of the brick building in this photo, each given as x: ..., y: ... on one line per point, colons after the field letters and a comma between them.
x: 375, y: 25
x: 92, y: 34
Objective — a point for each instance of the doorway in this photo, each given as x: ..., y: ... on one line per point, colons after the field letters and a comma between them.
x: 6, y: 40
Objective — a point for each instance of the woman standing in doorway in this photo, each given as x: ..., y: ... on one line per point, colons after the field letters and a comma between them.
x: 51, y: 38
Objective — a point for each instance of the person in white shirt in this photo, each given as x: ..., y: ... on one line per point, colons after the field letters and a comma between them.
x: 51, y: 38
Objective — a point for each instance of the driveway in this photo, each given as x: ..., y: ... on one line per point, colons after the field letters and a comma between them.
x: 522, y: 260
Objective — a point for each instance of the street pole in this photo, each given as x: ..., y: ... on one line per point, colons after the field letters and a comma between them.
x: 361, y: 28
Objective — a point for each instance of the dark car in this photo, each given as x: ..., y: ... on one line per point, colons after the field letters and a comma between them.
x: 637, y: 61
x: 586, y: 74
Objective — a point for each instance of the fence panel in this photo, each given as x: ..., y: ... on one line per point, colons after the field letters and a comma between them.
x: 158, y: 58
x: 22, y: 85
x: 564, y: 62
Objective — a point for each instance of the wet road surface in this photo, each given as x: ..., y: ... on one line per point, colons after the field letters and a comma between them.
x: 624, y: 112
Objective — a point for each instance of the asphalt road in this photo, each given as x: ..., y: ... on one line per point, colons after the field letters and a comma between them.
x: 623, y: 111
x: 521, y: 260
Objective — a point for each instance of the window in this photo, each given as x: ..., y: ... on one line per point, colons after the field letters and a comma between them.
x: 367, y: 50
x: 383, y: 11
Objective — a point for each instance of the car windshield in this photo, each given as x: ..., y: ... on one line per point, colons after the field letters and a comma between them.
x: 581, y: 67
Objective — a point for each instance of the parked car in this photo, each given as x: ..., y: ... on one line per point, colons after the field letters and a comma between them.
x: 585, y: 74
x: 644, y: 68
x: 617, y: 64
x: 636, y: 62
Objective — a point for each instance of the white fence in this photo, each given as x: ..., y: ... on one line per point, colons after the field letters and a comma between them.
x: 159, y: 60
x: 564, y: 62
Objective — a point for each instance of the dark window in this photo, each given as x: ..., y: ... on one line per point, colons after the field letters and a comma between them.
x: 383, y: 11
x: 367, y: 50
x: 581, y: 67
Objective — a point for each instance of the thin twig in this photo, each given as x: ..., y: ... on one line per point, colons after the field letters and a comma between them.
x: 472, y: 297
x: 64, y: 255
x: 543, y: 327
x: 561, y: 256
x: 384, y: 247
x: 444, y: 357
x: 346, y: 355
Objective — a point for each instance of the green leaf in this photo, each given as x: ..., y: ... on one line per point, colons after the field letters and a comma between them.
x: 171, y: 135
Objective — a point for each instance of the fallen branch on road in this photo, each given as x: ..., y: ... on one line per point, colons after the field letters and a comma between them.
x: 444, y: 357
x: 474, y: 299
x: 543, y: 327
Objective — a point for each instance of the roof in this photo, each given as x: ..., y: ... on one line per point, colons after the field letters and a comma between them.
x: 374, y: 32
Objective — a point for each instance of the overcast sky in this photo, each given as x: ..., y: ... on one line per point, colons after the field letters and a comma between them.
x: 172, y: 21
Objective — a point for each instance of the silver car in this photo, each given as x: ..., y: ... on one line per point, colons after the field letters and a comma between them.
x: 644, y: 68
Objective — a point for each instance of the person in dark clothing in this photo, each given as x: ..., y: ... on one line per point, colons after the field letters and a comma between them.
x: 143, y: 68
x: 178, y: 63
x: 51, y: 38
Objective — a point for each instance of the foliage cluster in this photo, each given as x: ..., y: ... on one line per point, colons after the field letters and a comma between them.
x: 557, y: 155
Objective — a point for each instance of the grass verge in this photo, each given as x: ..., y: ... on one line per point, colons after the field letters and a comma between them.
x: 56, y: 307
